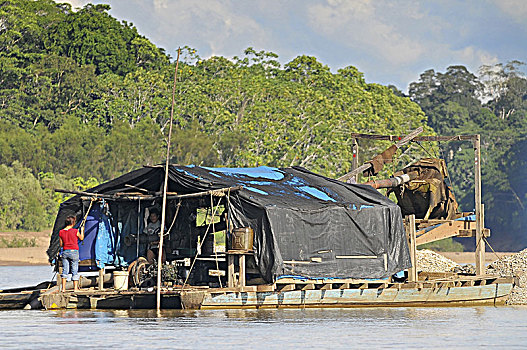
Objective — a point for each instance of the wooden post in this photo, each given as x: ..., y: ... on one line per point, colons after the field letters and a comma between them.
x: 101, y: 279
x: 59, y: 278
x: 241, y: 282
x: 355, y: 162
x: 230, y: 272
x: 480, y: 243
x: 412, y: 272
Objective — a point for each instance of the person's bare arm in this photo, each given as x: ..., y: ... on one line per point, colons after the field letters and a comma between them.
x: 80, y: 234
x: 61, y: 243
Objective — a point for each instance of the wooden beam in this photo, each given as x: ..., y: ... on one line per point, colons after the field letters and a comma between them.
x: 446, y: 230
x: 480, y: 243
x: 124, y: 196
x: 417, y: 138
x: 400, y: 142
x: 472, y: 233
x: 412, y: 244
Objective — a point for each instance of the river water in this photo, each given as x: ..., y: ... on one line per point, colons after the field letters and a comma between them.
x: 402, y: 328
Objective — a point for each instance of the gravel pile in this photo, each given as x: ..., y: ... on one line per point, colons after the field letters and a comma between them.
x: 514, y: 265
x: 465, y: 269
x: 430, y: 261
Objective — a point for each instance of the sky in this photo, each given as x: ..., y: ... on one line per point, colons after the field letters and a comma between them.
x: 390, y: 41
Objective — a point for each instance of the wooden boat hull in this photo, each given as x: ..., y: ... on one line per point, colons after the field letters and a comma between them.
x: 476, y: 295
x: 487, y: 290
x: 18, y: 300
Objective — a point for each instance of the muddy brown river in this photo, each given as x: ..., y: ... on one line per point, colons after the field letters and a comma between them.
x: 403, y: 328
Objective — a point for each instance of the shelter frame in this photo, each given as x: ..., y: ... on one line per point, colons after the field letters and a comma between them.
x: 479, y: 211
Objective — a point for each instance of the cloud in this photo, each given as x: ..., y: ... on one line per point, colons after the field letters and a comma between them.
x: 75, y: 3
x: 218, y: 26
x: 516, y: 9
x: 390, y: 41
x: 358, y: 25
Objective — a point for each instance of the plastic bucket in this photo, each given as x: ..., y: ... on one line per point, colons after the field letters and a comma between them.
x: 242, y: 238
x: 120, y: 280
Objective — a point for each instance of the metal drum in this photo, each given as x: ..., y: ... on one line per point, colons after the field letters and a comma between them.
x: 242, y: 238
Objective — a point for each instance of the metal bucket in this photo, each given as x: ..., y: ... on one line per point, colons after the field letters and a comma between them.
x: 242, y: 238
x: 120, y: 280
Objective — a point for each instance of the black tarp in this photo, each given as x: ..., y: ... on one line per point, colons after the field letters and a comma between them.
x: 305, y: 224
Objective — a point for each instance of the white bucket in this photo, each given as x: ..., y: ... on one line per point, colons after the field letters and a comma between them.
x: 120, y: 280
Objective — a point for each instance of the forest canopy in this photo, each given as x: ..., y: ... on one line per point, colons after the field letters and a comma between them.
x: 84, y: 98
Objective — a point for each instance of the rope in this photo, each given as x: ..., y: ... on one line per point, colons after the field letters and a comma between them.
x: 83, y: 222
x: 200, y: 245
x: 491, y: 248
x: 175, y: 216
x: 214, y: 242
x: 424, y: 149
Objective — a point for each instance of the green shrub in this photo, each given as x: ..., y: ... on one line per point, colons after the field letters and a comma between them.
x: 18, y: 242
x: 444, y: 245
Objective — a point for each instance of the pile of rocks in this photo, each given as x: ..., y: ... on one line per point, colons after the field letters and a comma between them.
x: 430, y: 261
x: 514, y: 265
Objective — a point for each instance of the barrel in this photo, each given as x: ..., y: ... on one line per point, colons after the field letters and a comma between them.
x: 242, y: 238
x: 120, y: 280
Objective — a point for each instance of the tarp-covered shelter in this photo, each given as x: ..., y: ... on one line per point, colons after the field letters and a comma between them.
x: 304, y: 224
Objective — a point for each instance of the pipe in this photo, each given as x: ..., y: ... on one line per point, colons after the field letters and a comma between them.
x: 393, y: 181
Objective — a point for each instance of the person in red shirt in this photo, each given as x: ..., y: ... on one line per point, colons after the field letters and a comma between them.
x: 69, y: 237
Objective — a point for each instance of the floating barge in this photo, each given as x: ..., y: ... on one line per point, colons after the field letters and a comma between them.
x: 305, y: 226
x: 433, y: 290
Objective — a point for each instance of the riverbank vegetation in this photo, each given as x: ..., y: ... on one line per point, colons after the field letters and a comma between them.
x: 85, y: 98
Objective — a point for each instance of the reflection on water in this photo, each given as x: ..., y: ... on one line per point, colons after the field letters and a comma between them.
x: 24, y: 276
x: 267, y: 329
x: 308, y: 328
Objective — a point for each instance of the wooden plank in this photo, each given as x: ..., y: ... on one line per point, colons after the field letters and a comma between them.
x: 356, y: 257
x: 240, y: 252
x: 265, y: 288
x: 286, y: 288
x: 216, y: 273
x: 292, y: 262
x: 344, y: 286
x: 309, y: 286
x: 472, y: 233
x: 364, y: 286
x: 446, y: 230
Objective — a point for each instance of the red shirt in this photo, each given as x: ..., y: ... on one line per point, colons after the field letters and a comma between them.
x: 69, y: 238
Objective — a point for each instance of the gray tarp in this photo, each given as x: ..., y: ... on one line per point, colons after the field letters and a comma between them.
x: 305, y: 224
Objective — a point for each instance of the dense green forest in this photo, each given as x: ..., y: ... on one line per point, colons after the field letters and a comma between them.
x: 84, y: 98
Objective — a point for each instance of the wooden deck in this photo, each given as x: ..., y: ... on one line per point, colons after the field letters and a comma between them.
x: 430, y: 290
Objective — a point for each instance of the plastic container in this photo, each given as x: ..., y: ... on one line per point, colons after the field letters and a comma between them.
x: 120, y: 280
x: 242, y: 238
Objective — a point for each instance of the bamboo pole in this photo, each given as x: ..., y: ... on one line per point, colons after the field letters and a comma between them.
x: 480, y: 244
x: 165, y: 188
